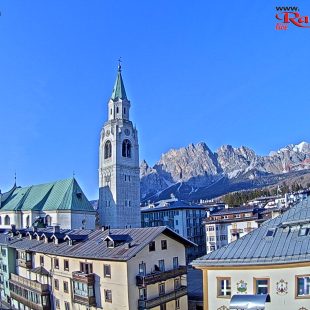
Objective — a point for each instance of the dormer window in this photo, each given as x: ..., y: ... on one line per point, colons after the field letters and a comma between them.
x: 270, y: 232
x: 303, y: 231
x: 110, y: 243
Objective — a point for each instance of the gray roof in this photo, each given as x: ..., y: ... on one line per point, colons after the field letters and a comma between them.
x: 94, y: 246
x: 286, y: 245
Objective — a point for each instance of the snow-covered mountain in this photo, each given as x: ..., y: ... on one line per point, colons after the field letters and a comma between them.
x: 195, y: 171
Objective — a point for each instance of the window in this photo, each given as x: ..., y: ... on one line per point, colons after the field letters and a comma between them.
x: 107, y: 271
x: 270, y: 232
x: 143, y: 293
x: 163, y: 307
x: 223, y: 287
x: 303, y: 231
x: 86, y: 268
x: 107, y: 149
x: 56, y: 263
x: 7, y: 220
x: 177, y: 283
x: 108, y: 295
x: 164, y: 244
x: 111, y: 111
x: 66, y: 287
x: 142, y: 269
x: 3, y: 252
x: 161, y: 289
x: 161, y: 264
x: 177, y: 303
x: 57, y: 303
x: 117, y: 110
x: 124, y: 110
x: 4, y: 268
x: 126, y: 148
x: 261, y: 286
x: 41, y: 260
x: 67, y: 305
x: 66, y: 265
x: 152, y: 246
x: 303, y: 286
x: 56, y: 284
x: 175, y: 262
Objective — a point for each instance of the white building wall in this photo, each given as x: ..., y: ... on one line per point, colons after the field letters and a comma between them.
x: 287, y: 301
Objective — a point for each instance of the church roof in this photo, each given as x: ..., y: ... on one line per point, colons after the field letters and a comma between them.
x: 60, y: 195
x: 284, y: 239
x: 119, y: 88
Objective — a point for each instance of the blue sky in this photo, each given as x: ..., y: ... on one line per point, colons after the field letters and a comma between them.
x: 193, y: 70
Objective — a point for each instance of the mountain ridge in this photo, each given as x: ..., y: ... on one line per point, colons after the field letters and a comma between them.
x: 196, y: 172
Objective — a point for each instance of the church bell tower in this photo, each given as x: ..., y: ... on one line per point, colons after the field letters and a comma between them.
x: 119, y: 181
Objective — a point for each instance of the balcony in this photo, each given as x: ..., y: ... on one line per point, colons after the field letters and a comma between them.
x: 157, y: 301
x: 235, y: 231
x: 158, y: 276
x: 88, y: 278
x: 30, y: 293
x: 248, y: 229
x: 24, y: 263
x: 84, y: 294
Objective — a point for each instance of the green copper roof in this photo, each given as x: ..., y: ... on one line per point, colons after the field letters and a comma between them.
x: 119, y: 88
x: 59, y: 195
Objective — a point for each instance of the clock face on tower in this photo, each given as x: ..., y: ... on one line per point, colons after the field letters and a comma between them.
x: 108, y: 132
x: 127, y: 132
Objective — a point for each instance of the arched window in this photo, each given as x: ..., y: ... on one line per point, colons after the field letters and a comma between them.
x: 107, y: 149
x: 124, y: 110
x: 7, y: 220
x: 48, y: 220
x: 126, y: 148
x: 0, y: 220
x: 117, y: 110
x: 27, y: 221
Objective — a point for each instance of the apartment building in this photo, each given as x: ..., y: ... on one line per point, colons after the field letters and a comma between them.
x: 268, y: 268
x: 93, y: 269
x: 182, y: 217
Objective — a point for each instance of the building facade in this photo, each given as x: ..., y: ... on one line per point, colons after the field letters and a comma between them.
x: 119, y: 181
x: 268, y: 267
x: 58, y: 203
x: 112, y: 269
x: 182, y: 217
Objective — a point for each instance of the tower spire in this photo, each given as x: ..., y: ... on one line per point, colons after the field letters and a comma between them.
x: 119, y: 88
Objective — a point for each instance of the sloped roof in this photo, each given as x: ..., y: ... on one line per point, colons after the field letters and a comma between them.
x: 60, y: 195
x: 94, y: 245
x: 119, y: 88
x: 285, y: 245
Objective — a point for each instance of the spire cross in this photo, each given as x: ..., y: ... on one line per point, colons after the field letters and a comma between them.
x: 120, y: 64
x: 15, y: 178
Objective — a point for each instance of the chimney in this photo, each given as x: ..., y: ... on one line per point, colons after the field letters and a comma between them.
x: 13, y: 228
x: 56, y: 229
x: 34, y: 228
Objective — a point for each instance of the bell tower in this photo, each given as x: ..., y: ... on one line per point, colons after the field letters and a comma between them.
x: 119, y: 180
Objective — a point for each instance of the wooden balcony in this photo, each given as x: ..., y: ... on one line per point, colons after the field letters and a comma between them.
x: 30, y: 284
x: 160, y: 300
x: 85, y: 300
x: 22, y: 290
x: 159, y: 276
x: 88, y: 278
x: 81, y: 296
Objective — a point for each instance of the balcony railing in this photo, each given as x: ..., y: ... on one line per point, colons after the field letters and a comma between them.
x: 88, y: 278
x: 24, y: 263
x: 157, y: 301
x: 84, y: 300
x: 158, y: 276
x: 30, y: 284
x: 248, y: 229
x: 235, y: 231
x: 30, y: 293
